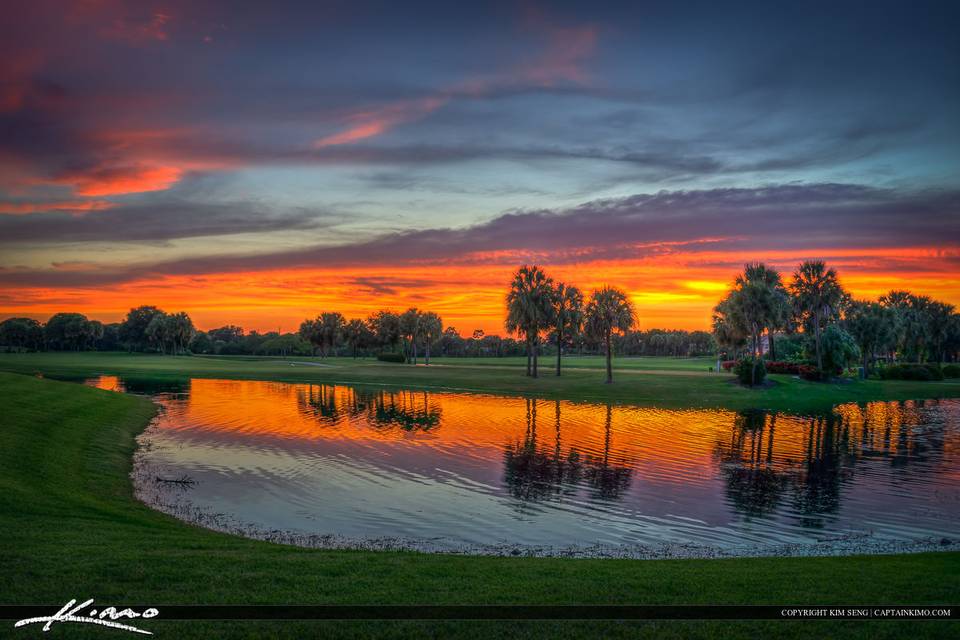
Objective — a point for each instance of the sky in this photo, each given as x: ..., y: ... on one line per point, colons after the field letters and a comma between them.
x: 258, y: 163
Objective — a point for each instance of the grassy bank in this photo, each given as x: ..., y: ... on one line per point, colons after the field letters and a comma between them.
x: 663, y: 382
x: 71, y: 528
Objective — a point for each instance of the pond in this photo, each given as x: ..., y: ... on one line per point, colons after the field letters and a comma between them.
x: 451, y: 471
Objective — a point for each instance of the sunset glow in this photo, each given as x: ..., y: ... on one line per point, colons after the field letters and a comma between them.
x: 256, y: 168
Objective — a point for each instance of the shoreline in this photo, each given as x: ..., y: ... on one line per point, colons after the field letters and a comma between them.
x: 171, y: 500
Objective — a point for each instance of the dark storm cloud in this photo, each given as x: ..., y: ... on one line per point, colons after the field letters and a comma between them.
x: 819, y: 216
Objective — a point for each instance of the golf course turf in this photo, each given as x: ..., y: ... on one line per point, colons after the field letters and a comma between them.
x: 72, y: 528
x: 670, y: 383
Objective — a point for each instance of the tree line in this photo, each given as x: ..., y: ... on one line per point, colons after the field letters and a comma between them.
x: 813, y: 318
x: 75, y: 332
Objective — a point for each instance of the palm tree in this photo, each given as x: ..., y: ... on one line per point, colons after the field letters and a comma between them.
x: 765, y: 302
x: 356, y: 334
x: 410, y: 328
x: 324, y: 331
x: 330, y: 326
x: 873, y: 327
x: 529, y: 309
x: 431, y: 329
x: 729, y: 326
x: 609, y: 311
x: 817, y: 295
x: 567, y: 304
x: 385, y: 325
x: 940, y: 317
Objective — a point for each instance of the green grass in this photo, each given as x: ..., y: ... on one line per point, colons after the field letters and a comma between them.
x: 71, y: 528
x: 662, y: 382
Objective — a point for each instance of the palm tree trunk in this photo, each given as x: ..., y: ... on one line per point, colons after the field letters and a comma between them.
x: 816, y: 339
x: 609, y: 360
x: 773, y: 352
x: 426, y: 356
x: 413, y: 343
x: 536, y: 349
x: 529, y: 358
x: 559, y: 346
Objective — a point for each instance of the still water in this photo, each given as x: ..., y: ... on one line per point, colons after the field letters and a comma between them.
x: 482, y: 469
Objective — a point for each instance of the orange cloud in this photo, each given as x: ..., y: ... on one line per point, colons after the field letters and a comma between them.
x: 109, y: 181
x: 373, y: 123
x: 80, y: 206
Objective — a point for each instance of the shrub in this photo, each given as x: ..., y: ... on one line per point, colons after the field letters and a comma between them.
x: 951, y: 371
x: 727, y: 365
x: 808, y: 372
x: 751, y: 370
x: 922, y: 372
x: 779, y: 366
x: 391, y: 357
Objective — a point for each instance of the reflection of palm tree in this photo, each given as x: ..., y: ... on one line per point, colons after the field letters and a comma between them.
x: 753, y: 486
x: 404, y: 411
x: 533, y: 475
x: 320, y: 401
x: 817, y: 491
x: 610, y: 480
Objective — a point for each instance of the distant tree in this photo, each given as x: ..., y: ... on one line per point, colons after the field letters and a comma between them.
x: 939, y: 319
x: 201, y: 343
x: 951, y: 345
x: 917, y: 324
x: 110, y: 340
x: 451, y: 343
x: 133, y: 329
x: 158, y: 332
x: 873, y: 327
x: 431, y: 327
x: 21, y: 334
x: 608, y: 312
x: 285, y: 345
x: 357, y: 335
x: 567, y: 302
x: 898, y: 301
x: 411, y: 330
x: 229, y: 334
x: 817, y: 298
x: 93, y: 334
x: 491, y: 345
x: 180, y: 331
x: 70, y: 332
x: 529, y: 309
x: 385, y: 326
x: 324, y: 331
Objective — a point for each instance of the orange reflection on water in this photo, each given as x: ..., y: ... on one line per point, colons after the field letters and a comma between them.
x: 674, y: 445
x: 481, y: 468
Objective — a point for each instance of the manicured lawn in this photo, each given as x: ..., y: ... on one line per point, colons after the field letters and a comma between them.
x: 663, y: 382
x: 71, y: 528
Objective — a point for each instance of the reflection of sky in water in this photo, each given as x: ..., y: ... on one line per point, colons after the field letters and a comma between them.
x: 484, y: 469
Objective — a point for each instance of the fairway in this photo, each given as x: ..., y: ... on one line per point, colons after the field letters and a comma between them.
x: 664, y: 382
